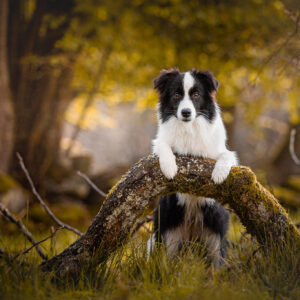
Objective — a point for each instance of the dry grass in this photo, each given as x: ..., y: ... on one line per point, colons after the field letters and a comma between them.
x: 248, y: 274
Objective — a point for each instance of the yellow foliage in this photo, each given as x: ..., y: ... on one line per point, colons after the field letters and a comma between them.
x: 227, y: 117
x: 149, y: 99
x: 294, y: 106
x: 183, y: 35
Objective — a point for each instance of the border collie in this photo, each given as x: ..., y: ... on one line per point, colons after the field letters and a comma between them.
x: 190, y: 123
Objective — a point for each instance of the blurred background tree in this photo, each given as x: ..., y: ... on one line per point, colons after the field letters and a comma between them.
x: 60, y: 59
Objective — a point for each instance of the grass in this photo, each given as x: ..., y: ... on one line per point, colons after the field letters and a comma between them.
x: 248, y: 274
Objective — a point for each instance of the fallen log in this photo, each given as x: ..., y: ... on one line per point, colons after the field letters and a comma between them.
x: 258, y: 210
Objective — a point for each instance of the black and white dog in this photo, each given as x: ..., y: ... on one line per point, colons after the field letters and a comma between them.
x: 190, y: 122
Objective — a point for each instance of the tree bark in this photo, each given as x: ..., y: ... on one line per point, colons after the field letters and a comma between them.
x: 258, y: 210
x: 6, y: 108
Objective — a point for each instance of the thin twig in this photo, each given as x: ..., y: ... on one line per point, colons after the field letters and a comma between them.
x: 53, y: 231
x: 140, y: 223
x: 43, y: 204
x: 37, y: 243
x: 253, y: 254
x: 230, y: 210
x: 93, y: 185
x: 24, y: 229
x: 232, y: 243
x: 146, y: 228
x: 292, y: 147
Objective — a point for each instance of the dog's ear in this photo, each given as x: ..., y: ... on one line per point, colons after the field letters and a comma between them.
x: 208, y: 79
x: 164, y: 78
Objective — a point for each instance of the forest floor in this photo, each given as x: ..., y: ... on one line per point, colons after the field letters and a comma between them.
x: 250, y: 272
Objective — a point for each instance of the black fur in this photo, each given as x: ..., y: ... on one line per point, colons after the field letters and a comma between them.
x: 215, y: 217
x: 170, y: 82
x: 169, y: 215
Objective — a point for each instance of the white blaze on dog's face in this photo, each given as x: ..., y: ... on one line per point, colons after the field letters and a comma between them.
x: 186, y: 110
x: 186, y: 96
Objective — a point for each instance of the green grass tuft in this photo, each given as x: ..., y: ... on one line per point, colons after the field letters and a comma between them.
x: 250, y: 272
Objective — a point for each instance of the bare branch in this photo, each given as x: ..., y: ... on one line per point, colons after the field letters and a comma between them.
x: 6, y: 213
x: 292, y: 147
x: 53, y: 231
x: 43, y: 204
x: 259, y: 211
x: 93, y: 185
x: 147, y: 228
x: 37, y: 243
x: 141, y: 223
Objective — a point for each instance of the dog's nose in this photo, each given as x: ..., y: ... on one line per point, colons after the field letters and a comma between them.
x: 186, y: 112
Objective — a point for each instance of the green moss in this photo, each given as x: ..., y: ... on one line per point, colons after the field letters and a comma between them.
x: 294, y: 183
x: 182, y: 183
x: 113, y: 188
x: 7, y: 183
x: 287, y: 196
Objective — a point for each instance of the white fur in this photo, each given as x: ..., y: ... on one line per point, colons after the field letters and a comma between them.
x: 166, y: 157
x: 191, y: 232
x: 150, y: 245
x: 198, y: 137
x: 186, y: 102
x: 201, y: 201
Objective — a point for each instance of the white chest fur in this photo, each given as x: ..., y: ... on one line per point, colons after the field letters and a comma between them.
x: 198, y: 138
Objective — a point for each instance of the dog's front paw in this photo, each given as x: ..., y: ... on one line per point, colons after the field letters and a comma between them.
x: 220, y: 173
x: 168, y: 166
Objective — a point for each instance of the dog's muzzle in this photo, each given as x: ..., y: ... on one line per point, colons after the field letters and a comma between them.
x: 186, y: 114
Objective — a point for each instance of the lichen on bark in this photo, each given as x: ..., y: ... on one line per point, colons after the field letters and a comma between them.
x: 257, y: 208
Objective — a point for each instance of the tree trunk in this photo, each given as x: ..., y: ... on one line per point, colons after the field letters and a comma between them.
x: 39, y: 121
x: 41, y: 90
x: 6, y: 109
x: 258, y: 210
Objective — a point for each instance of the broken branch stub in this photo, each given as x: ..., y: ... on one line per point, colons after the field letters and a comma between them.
x: 258, y: 209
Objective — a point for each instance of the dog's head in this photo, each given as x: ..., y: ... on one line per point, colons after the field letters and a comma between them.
x: 186, y: 96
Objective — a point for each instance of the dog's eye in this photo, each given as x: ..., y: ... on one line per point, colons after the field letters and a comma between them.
x: 177, y: 95
x: 195, y: 95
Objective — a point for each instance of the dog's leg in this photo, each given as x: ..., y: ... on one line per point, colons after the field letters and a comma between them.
x: 150, y: 245
x: 223, y: 165
x: 174, y: 239
x: 215, y: 221
x: 167, y: 159
x: 214, y: 246
x: 168, y: 216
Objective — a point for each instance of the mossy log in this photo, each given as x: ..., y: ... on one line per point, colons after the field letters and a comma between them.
x: 258, y: 209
